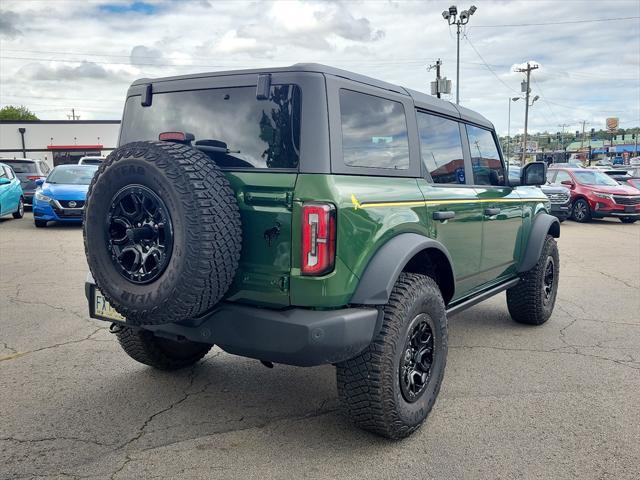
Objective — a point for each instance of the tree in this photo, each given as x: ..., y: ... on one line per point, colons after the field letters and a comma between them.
x: 16, y: 113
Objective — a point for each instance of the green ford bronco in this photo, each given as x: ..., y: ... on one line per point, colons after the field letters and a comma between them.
x: 308, y: 215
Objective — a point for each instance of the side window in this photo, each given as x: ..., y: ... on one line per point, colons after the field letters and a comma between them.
x: 441, y: 148
x: 485, y: 159
x: 550, y: 175
x: 3, y: 173
x: 563, y: 176
x: 10, y: 174
x: 374, y: 131
x: 44, y: 167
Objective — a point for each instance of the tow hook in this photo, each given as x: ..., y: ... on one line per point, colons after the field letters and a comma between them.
x: 115, y: 328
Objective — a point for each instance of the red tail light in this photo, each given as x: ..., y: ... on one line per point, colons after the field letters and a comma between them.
x: 318, y: 238
x: 33, y: 178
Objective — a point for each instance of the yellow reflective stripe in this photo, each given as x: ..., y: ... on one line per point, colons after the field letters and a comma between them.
x: 409, y: 203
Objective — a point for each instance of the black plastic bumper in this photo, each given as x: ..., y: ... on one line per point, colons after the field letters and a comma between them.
x: 294, y: 336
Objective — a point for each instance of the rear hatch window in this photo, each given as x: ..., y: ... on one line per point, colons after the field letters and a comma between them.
x: 22, y: 167
x: 230, y: 125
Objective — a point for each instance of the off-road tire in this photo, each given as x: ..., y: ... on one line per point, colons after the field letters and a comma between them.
x: 161, y: 353
x: 584, y: 211
x: 526, y: 301
x: 628, y: 220
x: 206, y: 231
x: 19, y: 213
x: 40, y: 223
x: 369, y: 384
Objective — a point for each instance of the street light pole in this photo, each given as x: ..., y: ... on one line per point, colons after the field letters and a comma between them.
x: 450, y: 17
x: 514, y: 99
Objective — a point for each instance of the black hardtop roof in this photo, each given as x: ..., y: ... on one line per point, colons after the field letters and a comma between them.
x: 422, y: 100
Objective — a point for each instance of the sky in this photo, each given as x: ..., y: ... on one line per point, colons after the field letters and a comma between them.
x: 61, y: 54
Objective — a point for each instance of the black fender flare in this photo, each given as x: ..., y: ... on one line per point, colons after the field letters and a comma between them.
x: 387, y: 263
x: 543, y: 224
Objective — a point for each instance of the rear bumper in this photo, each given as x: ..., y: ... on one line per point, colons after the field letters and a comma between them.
x: 295, y: 336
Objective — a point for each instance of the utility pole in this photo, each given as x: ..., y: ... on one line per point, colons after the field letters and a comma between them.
x: 73, y: 115
x: 527, y: 91
x: 584, y: 122
x: 441, y: 85
x: 564, y: 155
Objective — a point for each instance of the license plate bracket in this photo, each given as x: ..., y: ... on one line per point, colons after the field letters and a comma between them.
x: 100, y: 308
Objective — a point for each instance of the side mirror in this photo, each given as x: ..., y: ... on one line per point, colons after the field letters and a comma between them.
x: 4, y: 181
x: 534, y: 173
x: 39, y: 182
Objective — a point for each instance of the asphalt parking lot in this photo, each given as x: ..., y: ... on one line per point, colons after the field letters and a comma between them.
x: 557, y: 401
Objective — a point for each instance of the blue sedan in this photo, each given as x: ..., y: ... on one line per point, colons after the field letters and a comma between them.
x: 62, y: 195
x: 11, y: 196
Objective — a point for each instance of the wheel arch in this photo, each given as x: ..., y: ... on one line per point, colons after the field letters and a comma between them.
x: 543, y: 225
x: 407, y: 252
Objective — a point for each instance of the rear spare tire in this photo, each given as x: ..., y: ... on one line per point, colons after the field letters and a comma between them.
x: 162, y: 232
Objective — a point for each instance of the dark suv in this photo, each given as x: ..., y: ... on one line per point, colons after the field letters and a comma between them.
x: 28, y: 171
x: 306, y: 216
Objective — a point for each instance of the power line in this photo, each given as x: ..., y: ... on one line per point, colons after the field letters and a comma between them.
x: 593, y: 20
x: 544, y: 99
x: 487, y: 65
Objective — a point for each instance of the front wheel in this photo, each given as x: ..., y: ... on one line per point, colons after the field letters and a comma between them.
x: 390, y: 388
x: 161, y: 353
x: 581, y: 212
x: 531, y: 301
x: 628, y: 220
x: 19, y: 213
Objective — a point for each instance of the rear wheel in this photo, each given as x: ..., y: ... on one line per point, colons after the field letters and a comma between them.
x: 161, y: 353
x: 40, y: 223
x: 532, y: 300
x: 581, y: 212
x: 19, y: 213
x: 628, y: 220
x: 390, y: 388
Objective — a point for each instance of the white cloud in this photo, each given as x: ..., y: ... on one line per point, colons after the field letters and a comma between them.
x: 587, y: 71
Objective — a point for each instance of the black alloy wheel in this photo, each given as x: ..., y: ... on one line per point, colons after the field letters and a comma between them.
x: 417, y: 359
x: 139, y: 234
x: 548, y: 280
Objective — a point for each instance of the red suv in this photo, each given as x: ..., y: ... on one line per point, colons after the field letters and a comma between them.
x: 596, y: 195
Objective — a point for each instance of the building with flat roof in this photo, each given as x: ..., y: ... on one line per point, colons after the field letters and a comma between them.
x: 57, y: 141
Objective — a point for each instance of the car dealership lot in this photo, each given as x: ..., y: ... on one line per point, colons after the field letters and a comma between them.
x: 557, y: 401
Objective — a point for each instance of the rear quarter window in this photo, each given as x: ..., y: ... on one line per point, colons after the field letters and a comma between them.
x: 22, y: 167
x: 374, y: 131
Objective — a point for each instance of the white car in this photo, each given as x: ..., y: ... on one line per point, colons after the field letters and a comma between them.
x: 91, y: 160
x: 635, y: 161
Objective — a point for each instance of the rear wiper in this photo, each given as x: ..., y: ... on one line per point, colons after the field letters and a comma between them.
x: 215, y: 146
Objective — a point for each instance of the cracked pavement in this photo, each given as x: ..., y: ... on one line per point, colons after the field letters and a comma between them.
x: 557, y: 401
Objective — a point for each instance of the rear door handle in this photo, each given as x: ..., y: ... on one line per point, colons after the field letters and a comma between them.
x: 490, y: 212
x: 443, y: 215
